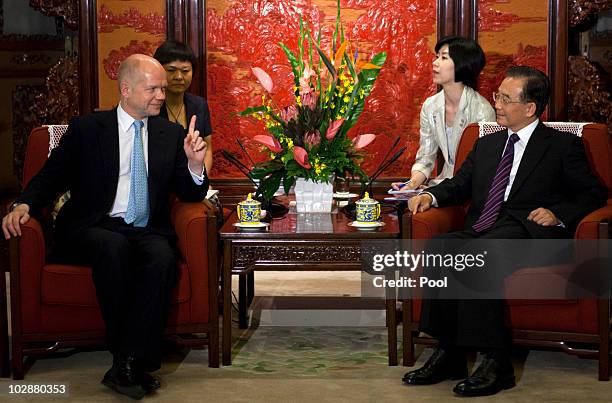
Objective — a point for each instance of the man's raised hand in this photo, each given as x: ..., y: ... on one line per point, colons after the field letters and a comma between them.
x: 195, y: 147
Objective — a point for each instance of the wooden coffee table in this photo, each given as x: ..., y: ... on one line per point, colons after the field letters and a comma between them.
x: 299, y: 242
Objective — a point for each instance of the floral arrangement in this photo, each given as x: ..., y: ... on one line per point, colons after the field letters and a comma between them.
x: 308, y: 139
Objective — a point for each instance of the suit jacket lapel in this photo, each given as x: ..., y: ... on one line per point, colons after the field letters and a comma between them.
x: 534, y: 151
x: 108, y: 137
x: 156, y: 147
x: 490, y: 163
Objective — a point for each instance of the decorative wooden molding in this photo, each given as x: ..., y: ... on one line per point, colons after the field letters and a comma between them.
x: 67, y: 9
x: 246, y: 255
x: 175, y: 19
x: 446, y: 17
x: 13, y: 42
x: 88, y: 49
x: 589, y: 98
x: 466, y: 18
x: 195, y: 28
x: 585, y: 11
x: 557, y: 59
x: 59, y: 103
x: 24, y: 120
x: 54, y: 103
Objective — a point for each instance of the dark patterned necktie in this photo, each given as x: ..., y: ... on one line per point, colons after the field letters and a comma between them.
x: 492, y: 206
x: 138, y: 203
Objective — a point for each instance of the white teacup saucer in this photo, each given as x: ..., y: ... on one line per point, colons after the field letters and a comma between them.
x: 366, y: 225
x: 253, y: 226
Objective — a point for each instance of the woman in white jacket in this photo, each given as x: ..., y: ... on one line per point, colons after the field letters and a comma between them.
x: 444, y: 115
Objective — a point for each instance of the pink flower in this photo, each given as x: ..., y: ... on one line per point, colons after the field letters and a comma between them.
x: 270, y: 142
x: 333, y: 129
x: 363, y: 140
x: 307, y: 74
x: 308, y: 100
x: 312, y: 139
x: 301, y: 157
x: 304, y: 87
x: 288, y: 113
x: 263, y: 78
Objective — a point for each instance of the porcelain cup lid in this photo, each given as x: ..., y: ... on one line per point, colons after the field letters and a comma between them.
x: 366, y: 201
x: 249, y: 201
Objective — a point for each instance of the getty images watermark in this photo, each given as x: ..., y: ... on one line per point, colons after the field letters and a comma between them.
x: 486, y: 268
x: 405, y: 261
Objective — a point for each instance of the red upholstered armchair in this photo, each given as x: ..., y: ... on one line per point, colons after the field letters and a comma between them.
x: 580, y: 326
x: 54, y: 306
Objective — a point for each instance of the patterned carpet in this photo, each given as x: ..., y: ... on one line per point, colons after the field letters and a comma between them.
x: 310, y: 351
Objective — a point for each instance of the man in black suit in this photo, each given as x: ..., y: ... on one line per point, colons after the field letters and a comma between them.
x: 528, y: 181
x: 121, y: 166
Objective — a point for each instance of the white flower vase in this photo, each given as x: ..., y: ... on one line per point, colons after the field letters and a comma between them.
x: 313, y: 197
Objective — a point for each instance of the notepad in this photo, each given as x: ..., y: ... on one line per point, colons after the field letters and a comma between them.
x: 211, y: 192
x: 410, y: 192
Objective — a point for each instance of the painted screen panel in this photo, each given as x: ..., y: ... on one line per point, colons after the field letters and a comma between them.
x: 125, y: 27
x: 511, y: 32
x: 244, y: 33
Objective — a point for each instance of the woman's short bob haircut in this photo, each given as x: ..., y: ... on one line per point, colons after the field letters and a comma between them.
x: 468, y: 57
x: 171, y: 51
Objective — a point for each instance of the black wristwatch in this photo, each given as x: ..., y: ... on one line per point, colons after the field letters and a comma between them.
x: 13, y: 206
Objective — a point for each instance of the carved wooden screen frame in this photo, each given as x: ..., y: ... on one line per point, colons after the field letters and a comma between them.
x: 186, y: 22
x: 30, y: 42
x: 460, y: 17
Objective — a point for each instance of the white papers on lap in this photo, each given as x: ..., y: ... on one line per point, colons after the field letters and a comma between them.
x: 210, y: 193
x: 399, y: 195
x: 406, y: 192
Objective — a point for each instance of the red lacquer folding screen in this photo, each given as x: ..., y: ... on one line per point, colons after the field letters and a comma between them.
x: 244, y: 33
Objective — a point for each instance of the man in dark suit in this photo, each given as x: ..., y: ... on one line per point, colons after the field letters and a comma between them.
x: 121, y: 166
x: 528, y: 181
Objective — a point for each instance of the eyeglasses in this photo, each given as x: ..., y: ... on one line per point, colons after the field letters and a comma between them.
x: 504, y: 99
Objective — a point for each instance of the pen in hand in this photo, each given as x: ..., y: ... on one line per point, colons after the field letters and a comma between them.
x: 401, y: 185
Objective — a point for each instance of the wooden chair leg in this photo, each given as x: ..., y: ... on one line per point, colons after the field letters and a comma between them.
x: 604, y: 339
x: 5, y: 369
x: 391, y: 319
x: 407, y: 339
x: 213, y: 347
x: 17, y: 361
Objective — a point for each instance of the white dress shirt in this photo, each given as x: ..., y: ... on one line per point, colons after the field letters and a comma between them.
x: 126, y: 144
x: 519, y: 149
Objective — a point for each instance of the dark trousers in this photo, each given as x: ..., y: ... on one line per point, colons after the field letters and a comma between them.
x: 134, y: 271
x: 473, y: 323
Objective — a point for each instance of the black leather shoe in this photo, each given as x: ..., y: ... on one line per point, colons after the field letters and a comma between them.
x: 149, y: 383
x: 441, y: 366
x: 123, y: 378
x: 490, y: 378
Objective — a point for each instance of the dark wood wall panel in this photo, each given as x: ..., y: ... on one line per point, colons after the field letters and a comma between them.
x: 88, y: 96
x: 557, y: 59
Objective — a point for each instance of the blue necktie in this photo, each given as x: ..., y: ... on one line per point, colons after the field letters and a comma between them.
x: 495, y: 198
x: 138, y: 204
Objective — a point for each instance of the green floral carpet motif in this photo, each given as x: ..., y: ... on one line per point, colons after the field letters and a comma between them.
x: 310, y: 351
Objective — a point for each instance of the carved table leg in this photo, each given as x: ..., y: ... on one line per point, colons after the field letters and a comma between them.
x: 243, y: 303
x: 227, y: 303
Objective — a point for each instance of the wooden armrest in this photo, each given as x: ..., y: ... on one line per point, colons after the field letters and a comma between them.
x: 588, y: 228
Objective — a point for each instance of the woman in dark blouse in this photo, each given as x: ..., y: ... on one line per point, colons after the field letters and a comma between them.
x: 179, y: 61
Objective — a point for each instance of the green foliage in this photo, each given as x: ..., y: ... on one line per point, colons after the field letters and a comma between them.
x: 320, y: 101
